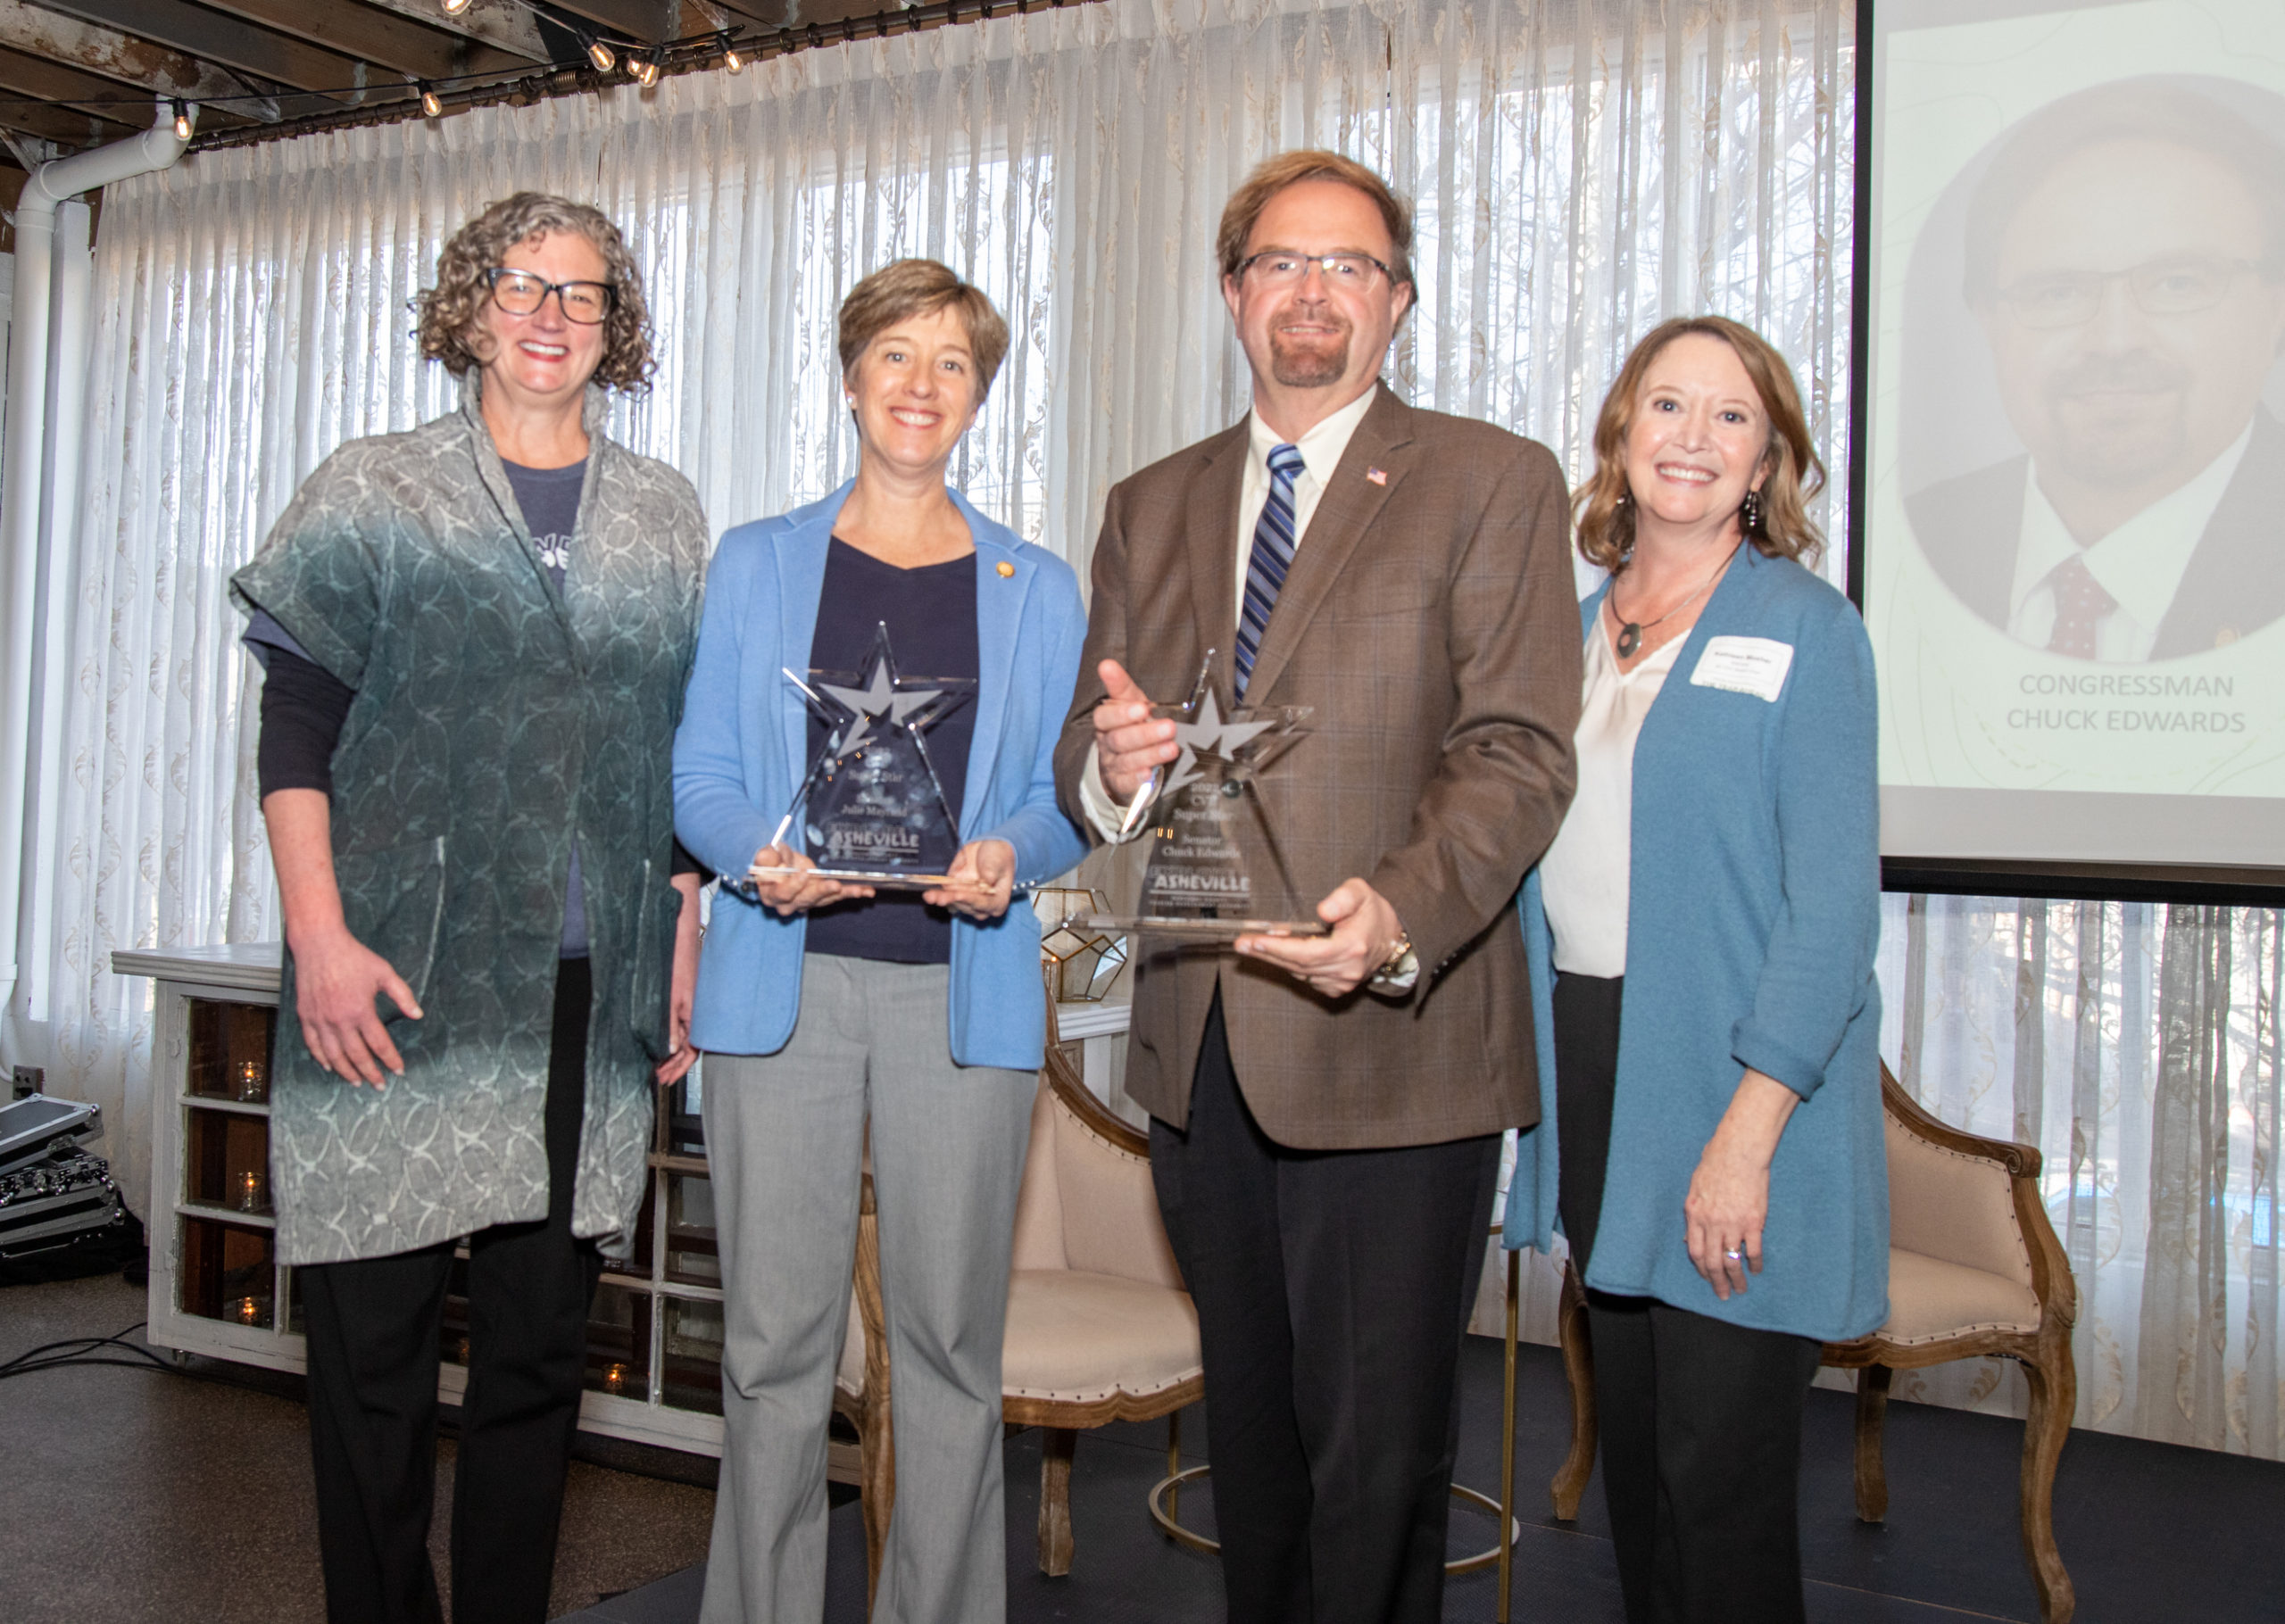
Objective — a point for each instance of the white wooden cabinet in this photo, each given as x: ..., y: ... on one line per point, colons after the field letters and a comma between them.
x: 654, y: 1335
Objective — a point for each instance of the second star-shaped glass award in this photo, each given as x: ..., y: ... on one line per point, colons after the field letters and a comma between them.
x: 1199, y: 884
x: 872, y: 809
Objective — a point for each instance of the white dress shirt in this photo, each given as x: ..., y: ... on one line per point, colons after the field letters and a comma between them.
x: 1586, y: 876
x: 1322, y: 449
x: 2140, y: 564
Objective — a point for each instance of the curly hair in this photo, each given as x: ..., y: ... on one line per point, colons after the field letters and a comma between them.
x: 450, y: 311
x: 1603, y: 507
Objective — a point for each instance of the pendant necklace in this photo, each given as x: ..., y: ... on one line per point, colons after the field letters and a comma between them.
x: 1630, y: 631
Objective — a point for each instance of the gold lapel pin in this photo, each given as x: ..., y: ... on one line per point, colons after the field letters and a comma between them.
x: 1006, y: 569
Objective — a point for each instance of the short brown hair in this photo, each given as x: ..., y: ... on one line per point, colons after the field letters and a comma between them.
x: 1604, y: 508
x: 449, y: 310
x: 1273, y: 175
x: 904, y: 288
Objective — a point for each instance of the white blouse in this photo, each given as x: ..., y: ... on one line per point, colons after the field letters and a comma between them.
x: 1584, y: 878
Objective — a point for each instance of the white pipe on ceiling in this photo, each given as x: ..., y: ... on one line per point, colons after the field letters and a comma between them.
x: 39, y: 499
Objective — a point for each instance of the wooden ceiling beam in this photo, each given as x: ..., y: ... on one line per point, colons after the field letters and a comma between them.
x: 36, y: 77
x: 650, y: 22
x: 502, y: 24
x: 365, y: 34
x: 68, y: 129
x: 74, y: 44
x: 216, y: 38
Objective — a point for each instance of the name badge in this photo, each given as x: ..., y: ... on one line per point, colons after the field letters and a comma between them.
x: 1744, y: 664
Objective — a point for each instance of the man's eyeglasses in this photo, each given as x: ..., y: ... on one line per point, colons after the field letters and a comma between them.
x: 2174, y: 287
x: 521, y: 293
x: 1280, y: 268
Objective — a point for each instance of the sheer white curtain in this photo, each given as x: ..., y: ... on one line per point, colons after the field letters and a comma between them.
x: 1582, y: 168
x: 2136, y: 1046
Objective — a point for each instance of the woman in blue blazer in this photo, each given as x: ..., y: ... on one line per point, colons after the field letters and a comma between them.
x: 822, y: 1008
x: 1702, y: 934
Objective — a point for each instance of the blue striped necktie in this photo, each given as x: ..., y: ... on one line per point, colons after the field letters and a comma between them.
x: 1273, y: 556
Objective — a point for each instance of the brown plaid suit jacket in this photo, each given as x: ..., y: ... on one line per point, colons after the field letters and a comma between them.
x: 1432, y: 623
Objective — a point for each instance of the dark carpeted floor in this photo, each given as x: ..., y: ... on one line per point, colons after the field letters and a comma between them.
x: 2150, y: 1532
x: 130, y: 1494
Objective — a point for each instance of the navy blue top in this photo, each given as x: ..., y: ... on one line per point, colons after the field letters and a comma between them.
x: 930, y: 613
x: 304, y: 704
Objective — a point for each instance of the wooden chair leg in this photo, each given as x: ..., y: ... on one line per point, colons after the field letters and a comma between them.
x: 1056, y: 1444
x: 878, y: 1442
x: 1871, y: 1418
x: 2054, y: 1381
x: 1570, y: 1484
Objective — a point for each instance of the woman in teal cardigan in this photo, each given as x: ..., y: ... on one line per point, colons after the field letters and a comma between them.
x: 1702, y: 934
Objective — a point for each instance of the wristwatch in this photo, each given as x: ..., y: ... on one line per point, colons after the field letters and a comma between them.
x: 1401, y: 964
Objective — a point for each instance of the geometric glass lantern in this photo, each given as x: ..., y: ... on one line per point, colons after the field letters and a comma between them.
x: 1080, y: 965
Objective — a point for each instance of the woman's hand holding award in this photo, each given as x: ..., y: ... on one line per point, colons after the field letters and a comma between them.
x: 871, y: 808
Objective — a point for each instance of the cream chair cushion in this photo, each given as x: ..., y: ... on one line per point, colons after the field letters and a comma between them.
x: 1948, y: 1206
x: 1076, y: 1336
x: 1930, y: 1300
x: 1096, y: 1305
x: 1087, y: 1204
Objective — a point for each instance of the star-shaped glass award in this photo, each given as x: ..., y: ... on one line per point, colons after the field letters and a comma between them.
x: 1210, y: 829
x: 872, y: 809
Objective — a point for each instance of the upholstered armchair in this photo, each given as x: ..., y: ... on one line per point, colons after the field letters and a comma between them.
x: 1099, y: 1326
x: 1975, y: 1268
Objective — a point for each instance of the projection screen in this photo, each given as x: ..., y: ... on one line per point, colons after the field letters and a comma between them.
x: 2073, y: 538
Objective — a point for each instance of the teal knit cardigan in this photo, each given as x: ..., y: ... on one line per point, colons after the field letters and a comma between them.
x: 1753, y: 920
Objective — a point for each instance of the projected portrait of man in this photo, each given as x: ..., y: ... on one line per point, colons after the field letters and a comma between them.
x: 2125, y: 262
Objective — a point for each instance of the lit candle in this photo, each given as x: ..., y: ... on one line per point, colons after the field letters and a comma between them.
x: 250, y: 1193
x: 251, y: 1089
x: 614, y: 1376
x: 250, y: 1310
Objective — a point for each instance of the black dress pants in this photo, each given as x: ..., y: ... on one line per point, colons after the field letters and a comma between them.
x: 374, y: 1326
x: 1333, y: 1289
x: 1700, y: 1420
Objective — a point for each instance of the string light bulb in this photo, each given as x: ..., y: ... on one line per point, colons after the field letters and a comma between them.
x: 430, y: 107
x: 600, y: 55
x: 644, y: 68
x: 730, y: 57
x: 182, y: 121
x: 453, y: 8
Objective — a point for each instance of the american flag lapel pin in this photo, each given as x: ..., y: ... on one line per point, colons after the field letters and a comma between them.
x: 1377, y: 476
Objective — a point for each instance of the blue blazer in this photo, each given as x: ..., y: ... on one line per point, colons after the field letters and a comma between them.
x: 744, y: 743
x: 1752, y: 922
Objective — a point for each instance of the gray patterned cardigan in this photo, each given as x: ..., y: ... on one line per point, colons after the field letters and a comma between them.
x: 497, y: 719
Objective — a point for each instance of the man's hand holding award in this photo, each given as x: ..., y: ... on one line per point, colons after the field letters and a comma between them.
x: 1194, y: 771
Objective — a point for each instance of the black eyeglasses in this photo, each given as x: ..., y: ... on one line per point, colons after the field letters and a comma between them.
x: 1281, y: 268
x: 521, y: 293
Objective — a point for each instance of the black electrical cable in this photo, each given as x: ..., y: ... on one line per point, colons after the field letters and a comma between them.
x: 44, y: 1357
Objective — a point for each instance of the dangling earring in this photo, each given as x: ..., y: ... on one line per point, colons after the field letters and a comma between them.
x: 1749, y: 513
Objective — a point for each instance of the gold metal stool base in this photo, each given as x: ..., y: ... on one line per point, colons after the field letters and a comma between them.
x: 1180, y: 1535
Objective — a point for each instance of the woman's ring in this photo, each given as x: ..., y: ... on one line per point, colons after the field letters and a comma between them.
x: 1736, y: 1255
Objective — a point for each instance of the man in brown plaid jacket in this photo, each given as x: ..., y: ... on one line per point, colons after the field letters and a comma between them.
x: 1326, y: 1111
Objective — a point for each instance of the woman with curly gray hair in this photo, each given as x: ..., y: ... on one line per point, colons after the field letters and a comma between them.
x: 475, y: 635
